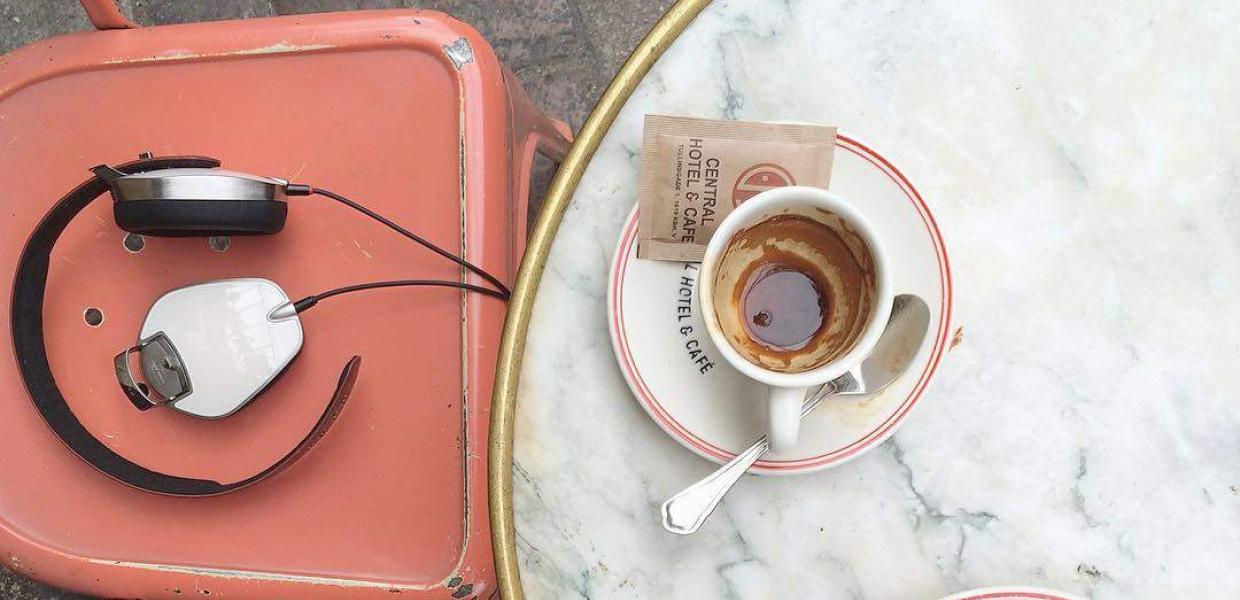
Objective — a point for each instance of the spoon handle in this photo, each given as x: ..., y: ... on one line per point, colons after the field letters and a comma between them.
x: 685, y: 512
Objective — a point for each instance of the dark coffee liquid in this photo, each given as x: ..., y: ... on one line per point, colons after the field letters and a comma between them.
x: 794, y: 292
x: 783, y: 307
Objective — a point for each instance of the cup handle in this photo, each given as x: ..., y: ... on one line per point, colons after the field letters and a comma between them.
x: 784, y: 417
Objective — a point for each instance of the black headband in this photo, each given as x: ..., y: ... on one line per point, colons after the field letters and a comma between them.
x: 29, y: 286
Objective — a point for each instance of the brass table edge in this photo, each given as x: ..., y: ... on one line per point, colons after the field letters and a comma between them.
x: 512, y: 346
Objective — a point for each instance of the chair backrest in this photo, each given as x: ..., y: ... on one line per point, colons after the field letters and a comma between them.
x: 105, y: 14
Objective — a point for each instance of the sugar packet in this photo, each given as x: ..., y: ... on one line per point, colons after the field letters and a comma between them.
x: 695, y: 171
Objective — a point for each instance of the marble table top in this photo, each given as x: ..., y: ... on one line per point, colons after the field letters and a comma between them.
x: 1082, y: 162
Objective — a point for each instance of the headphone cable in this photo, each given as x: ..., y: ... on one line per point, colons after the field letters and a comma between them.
x: 309, y: 301
x: 297, y: 189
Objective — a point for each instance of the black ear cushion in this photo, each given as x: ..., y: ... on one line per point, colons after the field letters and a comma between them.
x: 184, y: 218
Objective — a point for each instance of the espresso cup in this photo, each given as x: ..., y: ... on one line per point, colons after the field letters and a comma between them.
x: 795, y: 290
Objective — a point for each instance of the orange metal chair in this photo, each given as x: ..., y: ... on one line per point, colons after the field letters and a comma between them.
x: 407, y: 111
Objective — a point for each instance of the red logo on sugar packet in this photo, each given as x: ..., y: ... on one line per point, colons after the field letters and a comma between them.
x: 760, y: 178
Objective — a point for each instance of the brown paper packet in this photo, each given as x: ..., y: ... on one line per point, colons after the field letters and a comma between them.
x: 695, y: 171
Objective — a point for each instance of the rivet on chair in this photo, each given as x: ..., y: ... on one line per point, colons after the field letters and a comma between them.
x: 134, y: 243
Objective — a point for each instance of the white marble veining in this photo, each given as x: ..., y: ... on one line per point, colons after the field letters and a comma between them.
x: 1083, y: 161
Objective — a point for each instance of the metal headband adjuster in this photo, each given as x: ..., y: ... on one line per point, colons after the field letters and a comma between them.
x: 167, y: 378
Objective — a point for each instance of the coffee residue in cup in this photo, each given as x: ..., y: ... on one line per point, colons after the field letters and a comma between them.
x: 794, y: 292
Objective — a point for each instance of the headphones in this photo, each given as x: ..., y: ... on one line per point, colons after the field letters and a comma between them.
x: 180, y: 358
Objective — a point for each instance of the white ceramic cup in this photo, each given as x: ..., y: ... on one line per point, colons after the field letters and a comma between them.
x: 788, y: 390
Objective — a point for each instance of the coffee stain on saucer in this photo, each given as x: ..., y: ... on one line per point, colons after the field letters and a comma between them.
x: 854, y: 414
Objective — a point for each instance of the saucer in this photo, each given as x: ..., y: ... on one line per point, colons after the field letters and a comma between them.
x: 680, y: 379
x: 1011, y: 594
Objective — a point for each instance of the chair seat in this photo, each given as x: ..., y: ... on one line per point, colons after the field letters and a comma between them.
x: 408, y: 112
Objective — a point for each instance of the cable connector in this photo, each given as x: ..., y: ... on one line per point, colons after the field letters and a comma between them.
x: 298, y: 189
x: 305, y: 303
